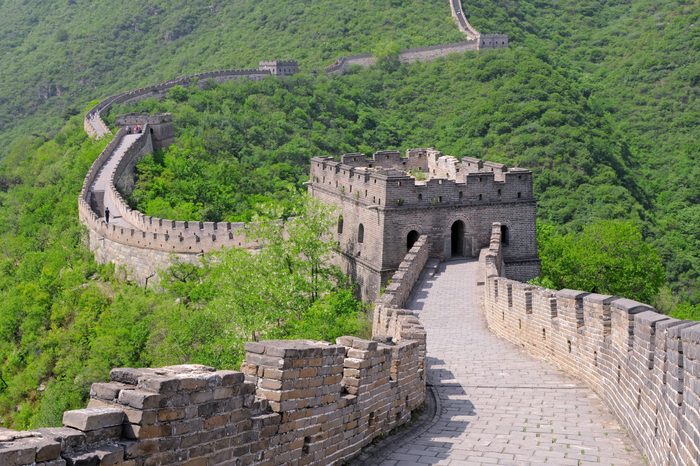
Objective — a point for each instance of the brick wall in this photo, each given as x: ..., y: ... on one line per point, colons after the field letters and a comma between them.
x: 141, y: 249
x: 294, y: 402
x: 644, y: 365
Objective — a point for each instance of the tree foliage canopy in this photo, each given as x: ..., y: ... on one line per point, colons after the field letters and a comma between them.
x: 607, y: 257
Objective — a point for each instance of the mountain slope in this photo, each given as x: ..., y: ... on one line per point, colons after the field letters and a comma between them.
x: 58, y: 55
x: 598, y: 97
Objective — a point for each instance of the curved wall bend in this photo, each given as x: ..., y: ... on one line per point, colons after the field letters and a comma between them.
x: 143, y: 244
x: 644, y: 365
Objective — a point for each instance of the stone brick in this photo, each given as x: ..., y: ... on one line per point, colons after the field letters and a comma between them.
x: 93, y: 418
x: 140, y: 399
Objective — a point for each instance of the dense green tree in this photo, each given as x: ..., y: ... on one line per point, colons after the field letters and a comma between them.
x: 608, y: 257
x: 282, y: 291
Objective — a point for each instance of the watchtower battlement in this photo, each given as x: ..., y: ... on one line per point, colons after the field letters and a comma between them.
x: 386, y: 201
x: 423, y: 177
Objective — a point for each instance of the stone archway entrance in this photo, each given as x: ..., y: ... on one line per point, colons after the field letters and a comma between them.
x: 457, y: 239
x: 411, y: 239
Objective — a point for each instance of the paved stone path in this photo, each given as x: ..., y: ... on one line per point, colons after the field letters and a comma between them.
x: 101, y: 182
x: 498, y: 404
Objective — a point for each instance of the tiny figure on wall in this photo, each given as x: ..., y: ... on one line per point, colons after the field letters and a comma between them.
x: 107, y: 214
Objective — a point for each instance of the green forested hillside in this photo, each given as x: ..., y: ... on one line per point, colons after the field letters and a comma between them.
x: 243, y: 144
x: 599, y: 98
x: 639, y: 63
x: 66, y: 321
x: 57, y: 55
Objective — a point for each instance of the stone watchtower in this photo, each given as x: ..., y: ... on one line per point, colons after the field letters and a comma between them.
x: 386, y: 202
x: 279, y: 67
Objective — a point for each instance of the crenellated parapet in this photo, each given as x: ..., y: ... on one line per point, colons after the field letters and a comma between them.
x: 386, y: 201
x: 643, y: 364
x: 95, y: 126
x: 140, y: 243
x: 142, y: 231
x: 294, y: 402
x: 424, y: 177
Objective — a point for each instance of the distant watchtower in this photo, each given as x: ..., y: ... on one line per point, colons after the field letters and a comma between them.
x: 279, y: 67
x: 387, y: 201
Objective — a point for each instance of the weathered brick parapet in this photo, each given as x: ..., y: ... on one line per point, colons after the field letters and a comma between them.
x: 294, y: 402
x: 644, y: 365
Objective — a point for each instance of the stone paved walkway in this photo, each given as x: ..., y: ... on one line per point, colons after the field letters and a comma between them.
x: 101, y: 182
x: 499, y: 405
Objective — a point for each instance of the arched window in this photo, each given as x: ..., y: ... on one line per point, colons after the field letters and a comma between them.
x: 457, y: 238
x: 340, y: 225
x: 505, y: 236
x: 361, y: 233
x: 411, y: 239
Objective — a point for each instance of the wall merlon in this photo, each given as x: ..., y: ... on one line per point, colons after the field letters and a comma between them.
x: 640, y: 362
x: 691, y: 334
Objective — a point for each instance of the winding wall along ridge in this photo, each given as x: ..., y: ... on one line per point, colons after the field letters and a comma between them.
x: 643, y: 364
x: 95, y: 126
x: 182, y: 237
x: 462, y: 22
x: 143, y: 243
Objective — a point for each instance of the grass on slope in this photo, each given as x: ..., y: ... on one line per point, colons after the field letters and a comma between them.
x: 57, y: 55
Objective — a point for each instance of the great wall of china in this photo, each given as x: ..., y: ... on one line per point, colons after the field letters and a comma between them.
x: 142, y: 244
x: 474, y: 41
x: 314, y: 403
x: 644, y: 365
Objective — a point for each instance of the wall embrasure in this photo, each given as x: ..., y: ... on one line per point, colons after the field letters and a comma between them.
x: 644, y: 365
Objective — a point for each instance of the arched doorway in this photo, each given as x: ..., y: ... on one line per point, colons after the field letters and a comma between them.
x: 505, y: 235
x: 411, y: 239
x: 458, y: 239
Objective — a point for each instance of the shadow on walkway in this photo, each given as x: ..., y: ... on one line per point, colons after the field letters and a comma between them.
x: 437, y: 416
